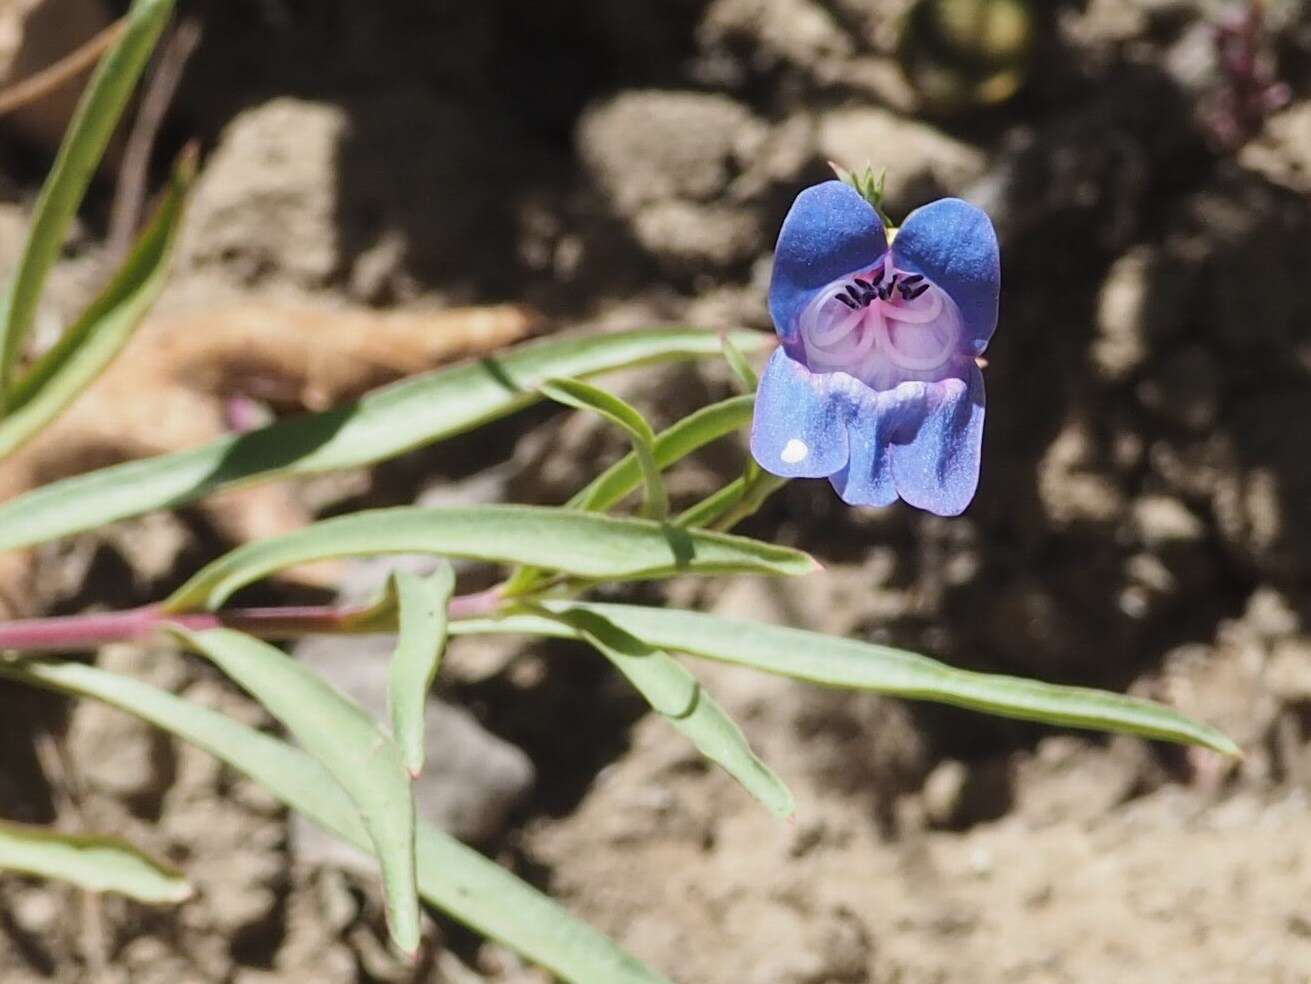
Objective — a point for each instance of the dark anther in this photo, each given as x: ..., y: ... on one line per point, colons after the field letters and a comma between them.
x: 914, y: 293
x: 856, y: 294
x: 848, y: 301
x: 864, y: 285
x: 912, y: 280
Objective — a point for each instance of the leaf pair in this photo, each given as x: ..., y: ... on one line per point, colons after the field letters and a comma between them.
x: 375, y: 769
x: 850, y: 664
x: 450, y: 876
x: 380, y: 425
x: 89, y: 345
x: 581, y: 544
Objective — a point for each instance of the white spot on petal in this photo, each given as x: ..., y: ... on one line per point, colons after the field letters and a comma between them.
x: 794, y: 451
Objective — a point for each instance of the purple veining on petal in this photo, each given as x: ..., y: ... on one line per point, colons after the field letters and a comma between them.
x: 882, y: 337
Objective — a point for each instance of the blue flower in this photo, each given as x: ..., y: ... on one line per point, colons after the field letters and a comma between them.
x: 876, y: 386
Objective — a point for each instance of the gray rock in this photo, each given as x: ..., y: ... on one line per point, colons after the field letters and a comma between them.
x: 1283, y: 151
x: 1161, y: 521
x: 1073, y: 482
x: 653, y: 146
x: 694, y: 236
x: 798, y: 33
x: 267, y: 201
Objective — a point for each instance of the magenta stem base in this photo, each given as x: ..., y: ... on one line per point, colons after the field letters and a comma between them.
x: 67, y: 633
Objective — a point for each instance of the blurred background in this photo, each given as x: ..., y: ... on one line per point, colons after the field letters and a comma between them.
x: 387, y: 187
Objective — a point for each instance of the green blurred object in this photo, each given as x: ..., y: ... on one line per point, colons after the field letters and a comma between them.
x: 93, y: 862
x: 959, y: 54
x: 98, y: 113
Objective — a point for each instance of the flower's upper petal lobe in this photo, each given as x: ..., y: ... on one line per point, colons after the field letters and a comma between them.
x: 937, y: 468
x: 830, y: 232
x: 953, y: 244
x: 799, y: 430
x: 877, y: 419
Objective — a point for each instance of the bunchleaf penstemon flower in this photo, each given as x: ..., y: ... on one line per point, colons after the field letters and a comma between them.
x: 876, y: 385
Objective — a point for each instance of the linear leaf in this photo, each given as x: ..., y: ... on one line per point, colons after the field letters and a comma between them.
x: 693, y: 432
x: 746, y: 376
x: 88, y: 133
x: 584, y: 396
x: 671, y: 690
x: 697, y: 429
x: 581, y: 544
x: 420, y: 641
x: 728, y: 506
x: 380, y: 425
x: 91, y: 861
x: 454, y: 878
x: 716, y: 504
x: 89, y: 345
x: 341, y: 735
x: 866, y: 666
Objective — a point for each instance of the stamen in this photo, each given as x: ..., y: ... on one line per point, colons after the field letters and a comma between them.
x: 914, y: 293
x: 855, y: 293
x: 912, y: 280
x: 848, y: 301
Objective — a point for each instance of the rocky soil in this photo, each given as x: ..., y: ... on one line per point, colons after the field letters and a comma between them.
x: 1142, y: 521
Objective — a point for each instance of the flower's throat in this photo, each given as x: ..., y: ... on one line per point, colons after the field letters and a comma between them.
x: 884, y: 327
x: 860, y: 293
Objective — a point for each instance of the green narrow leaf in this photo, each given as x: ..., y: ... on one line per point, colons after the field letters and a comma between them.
x: 866, y: 666
x: 694, y: 431
x: 337, y: 732
x: 380, y: 425
x: 673, y: 692
x: 746, y: 376
x: 704, y: 513
x: 581, y: 544
x: 94, y: 862
x: 725, y: 508
x: 93, y: 123
x: 452, y: 877
x: 584, y: 396
x: 95, y: 339
x: 421, y: 639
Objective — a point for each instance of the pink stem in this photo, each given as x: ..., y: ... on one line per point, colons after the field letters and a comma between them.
x: 81, y: 632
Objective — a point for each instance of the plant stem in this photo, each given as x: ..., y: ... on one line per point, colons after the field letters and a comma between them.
x: 758, y: 487
x: 69, y: 633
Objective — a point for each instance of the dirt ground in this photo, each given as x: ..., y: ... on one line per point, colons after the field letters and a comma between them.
x: 1141, y: 524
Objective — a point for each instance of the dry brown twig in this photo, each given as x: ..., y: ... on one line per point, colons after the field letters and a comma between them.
x: 69, y: 67
x: 134, y: 171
